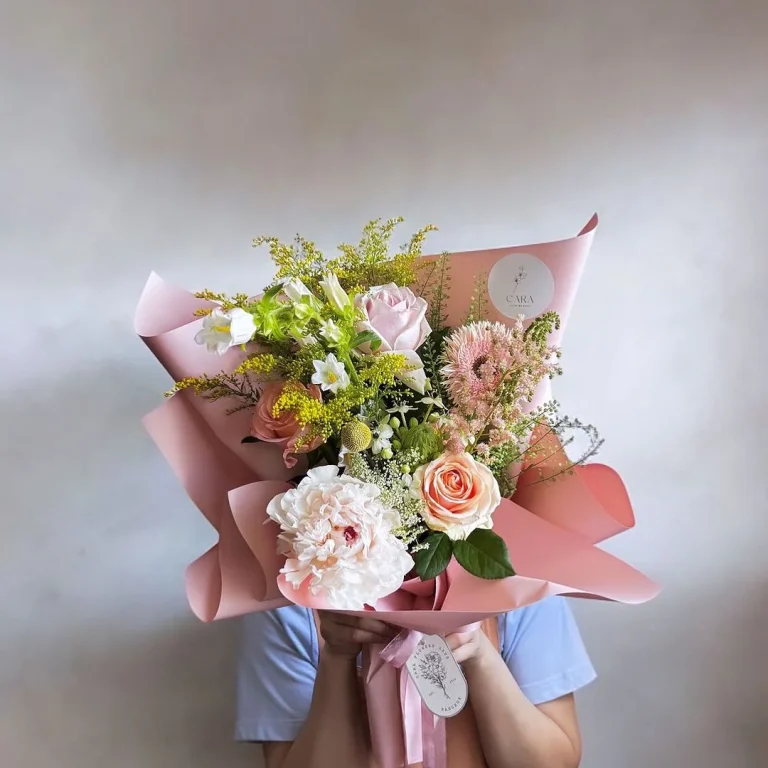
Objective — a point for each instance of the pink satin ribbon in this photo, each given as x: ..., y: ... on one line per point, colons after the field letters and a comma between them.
x: 403, y: 730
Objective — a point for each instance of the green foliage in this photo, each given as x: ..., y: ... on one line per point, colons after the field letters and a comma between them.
x: 434, y: 286
x: 431, y: 355
x: 484, y: 554
x: 478, y: 303
x: 541, y: 327
x: 366, y: 337
x: 546, y: 454
x: 434, y: 557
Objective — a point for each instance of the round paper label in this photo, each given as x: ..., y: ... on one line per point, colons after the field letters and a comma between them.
x: 520, y: 284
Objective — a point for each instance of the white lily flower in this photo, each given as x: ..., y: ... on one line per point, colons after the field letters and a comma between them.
x: 336, y: 295
x: 295, y: 289
x: 331, y: 332
x: 222, y: 330
x: 330, y: 374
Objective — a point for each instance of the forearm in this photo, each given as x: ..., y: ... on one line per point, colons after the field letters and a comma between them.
x: 513, y: 732
x: 335, y: 731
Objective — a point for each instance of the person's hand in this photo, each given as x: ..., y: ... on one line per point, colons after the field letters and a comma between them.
x: 470, y: 648
x: 346, y: 635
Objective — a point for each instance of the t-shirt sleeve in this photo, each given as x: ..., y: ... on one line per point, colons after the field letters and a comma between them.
x: 544, y: 651
x: 276, y: 674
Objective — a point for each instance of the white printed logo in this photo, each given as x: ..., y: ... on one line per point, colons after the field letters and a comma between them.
x: 438, y: 678
x: 520, y: 284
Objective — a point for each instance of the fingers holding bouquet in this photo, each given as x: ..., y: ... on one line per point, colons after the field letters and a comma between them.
x: 345, y: 635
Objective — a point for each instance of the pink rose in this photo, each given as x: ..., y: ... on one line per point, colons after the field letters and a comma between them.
x: 460, y: 494
x: 396, y: 316
x: 284, y: 429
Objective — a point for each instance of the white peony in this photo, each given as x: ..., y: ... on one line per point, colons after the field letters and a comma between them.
x: 222, y: 330
x: 337, y: 533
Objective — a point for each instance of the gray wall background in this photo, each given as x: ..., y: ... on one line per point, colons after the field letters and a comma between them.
x: 164, y: 135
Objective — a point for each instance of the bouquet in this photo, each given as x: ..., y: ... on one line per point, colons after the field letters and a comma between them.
x: 375, y: 432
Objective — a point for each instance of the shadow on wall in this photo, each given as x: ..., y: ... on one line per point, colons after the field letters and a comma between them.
x: 701, y: 658
x: 121, y: 699
x: 101, y: 661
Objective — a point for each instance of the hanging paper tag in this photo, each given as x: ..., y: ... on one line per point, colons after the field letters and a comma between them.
x: 438, y: 678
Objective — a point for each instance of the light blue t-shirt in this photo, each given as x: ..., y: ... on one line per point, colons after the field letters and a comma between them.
x: 278, y: 663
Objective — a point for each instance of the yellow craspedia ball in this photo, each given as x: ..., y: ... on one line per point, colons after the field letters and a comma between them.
x: 356, y: 436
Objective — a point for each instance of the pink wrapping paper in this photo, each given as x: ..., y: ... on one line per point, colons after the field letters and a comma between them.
x: 551, y: 529
x: 564, y: 258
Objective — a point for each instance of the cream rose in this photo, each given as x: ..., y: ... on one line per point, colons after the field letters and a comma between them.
x: 460, y: 494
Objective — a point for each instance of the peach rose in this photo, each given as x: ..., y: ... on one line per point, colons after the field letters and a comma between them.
x: 460, y: 494
x: 284, y: 429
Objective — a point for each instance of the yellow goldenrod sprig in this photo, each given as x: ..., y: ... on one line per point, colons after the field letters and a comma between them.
x: 260, y: 365
x: 358, y: 267
x: 217, y: 387
x: 241, y: 300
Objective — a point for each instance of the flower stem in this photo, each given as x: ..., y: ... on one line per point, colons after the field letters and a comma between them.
x: 347, y: 360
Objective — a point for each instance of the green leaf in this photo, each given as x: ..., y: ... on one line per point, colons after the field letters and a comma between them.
x: 434, y: 559
x: 250, y: 439
x: 484, y: 554
x: 270, y: 293
x: 366, y: 337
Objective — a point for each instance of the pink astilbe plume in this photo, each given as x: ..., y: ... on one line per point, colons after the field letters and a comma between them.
x: 490, y: 371
x: 476, y: 355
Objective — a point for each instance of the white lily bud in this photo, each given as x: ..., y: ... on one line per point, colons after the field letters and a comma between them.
x: 336, y: 295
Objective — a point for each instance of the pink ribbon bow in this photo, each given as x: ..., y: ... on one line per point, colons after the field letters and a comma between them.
x: 403, y: 730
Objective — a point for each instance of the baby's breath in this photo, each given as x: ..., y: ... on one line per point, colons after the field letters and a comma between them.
x: 388, y: 476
